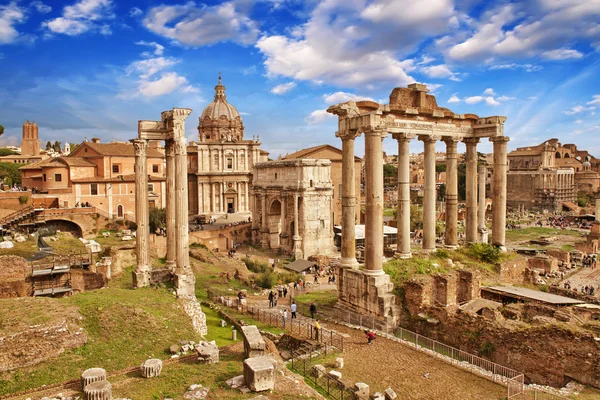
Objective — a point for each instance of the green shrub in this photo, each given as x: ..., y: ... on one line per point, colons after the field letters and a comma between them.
x: 266, y: 280
x: 23, y: 199
x: 442, y: 253
x: 485, y: 252
x: 256, y: 266
x: 486, y: 349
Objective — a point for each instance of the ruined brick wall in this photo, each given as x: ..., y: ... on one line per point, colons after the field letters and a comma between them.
x: 160, y: 275
x: 417, y: 295
x: 547, y: 264
x: 15, y: 276
x: 82, y: 280
x: 520, y: 189
x: 444, y: 290
x: 560, y: 255
x: 512, y: 271
x: 468, y: 285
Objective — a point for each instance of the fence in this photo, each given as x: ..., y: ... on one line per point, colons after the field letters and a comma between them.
x: 514, y: 387
x: 330, y: 387
x: 274, y: 318
x: 347, y: 317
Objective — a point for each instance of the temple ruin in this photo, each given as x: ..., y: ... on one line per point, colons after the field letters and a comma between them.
x: 411, y: 113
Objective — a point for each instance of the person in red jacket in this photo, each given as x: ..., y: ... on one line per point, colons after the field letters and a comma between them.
x: 370, y: 336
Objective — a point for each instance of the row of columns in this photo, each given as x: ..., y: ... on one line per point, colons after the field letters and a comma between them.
x: 210, y: 192
x: 374, y: 195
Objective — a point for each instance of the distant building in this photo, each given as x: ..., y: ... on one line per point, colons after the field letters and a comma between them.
x: 101, y: 174
x: 328, y: 152
x: 30, y: 146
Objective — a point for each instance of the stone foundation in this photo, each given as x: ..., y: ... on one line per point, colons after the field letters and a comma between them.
x: 366, y: 294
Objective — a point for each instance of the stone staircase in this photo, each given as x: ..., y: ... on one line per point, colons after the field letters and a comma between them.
x: 27, y: 214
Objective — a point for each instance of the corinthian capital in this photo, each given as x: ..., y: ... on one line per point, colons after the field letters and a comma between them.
x: 500, y: 139
x: 180, y: 145
x: 470, y: 140
x: 429, y: 138
x: 140, y: 146
x: 348, y: 134
x: 401, y: 136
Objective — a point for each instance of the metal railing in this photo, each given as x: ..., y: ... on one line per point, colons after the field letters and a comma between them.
x: 324, y: 383
x: 302, y: 328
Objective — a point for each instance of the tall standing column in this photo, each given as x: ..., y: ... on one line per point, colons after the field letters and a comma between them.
x: 429, y: 193
x: 499, y: 183
x: 184, y: 277
x: 481, y: 208
x: 297, y: 239
x: 141, y: 275
x: 403, y: 213
x: 471, y: 183
x: 264, y: 228
x: 374, y: 200
x: 451, y: 237
x: 348, y: 201
x: 171, y: 205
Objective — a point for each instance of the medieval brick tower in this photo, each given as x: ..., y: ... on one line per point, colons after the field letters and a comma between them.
x: 30, y: 144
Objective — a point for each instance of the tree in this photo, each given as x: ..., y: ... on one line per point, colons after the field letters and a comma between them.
x: 48, y: 145
x: 389, y: 170
x: 441, y: 192
x: 1, y: 130
x: 416, y: 218
x: 7, y: 152
x: 462, y: 181
x: 157, y: 218
x: 9, y: 173
x: 440, y: 167
x: 56, y: 146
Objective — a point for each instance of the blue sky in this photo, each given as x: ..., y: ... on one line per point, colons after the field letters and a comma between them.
x: 85, y: 68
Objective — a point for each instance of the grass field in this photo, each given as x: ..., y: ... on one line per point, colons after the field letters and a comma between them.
x: 537, y: 232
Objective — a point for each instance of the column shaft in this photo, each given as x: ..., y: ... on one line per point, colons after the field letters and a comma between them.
x: 481, y: 208
x: 374, y: 200
x: 429, y: 192
x: 499, y: 182
x: 141, y: 275
x: 451, y: 236
x: 264, y: 229
x: 171, y: 205
x: 348, y: 204
x: 296, y: 239
x: 184, y: 276
x: 471, y: 183
x: 403, y: 213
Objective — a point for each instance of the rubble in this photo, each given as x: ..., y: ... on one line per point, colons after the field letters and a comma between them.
x: 196, y: 392
x: 208, y: 352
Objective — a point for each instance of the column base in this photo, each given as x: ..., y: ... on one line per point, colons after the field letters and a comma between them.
x: 141, y: 277
x: 185, y: 285
x: 501, y: 247
x: 403, y: 256
x: 171, y: 265
x: 377, y: 272
x: 451, y: 246
x: 428, y: 250
x: 350, y: 263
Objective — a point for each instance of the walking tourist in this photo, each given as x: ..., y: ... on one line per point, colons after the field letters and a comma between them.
x: 317, y: 329
x: 313, y: 310
x: 370, y: 336
x: 294, y: 308
x: 284, y: 316
x: 271, y: 299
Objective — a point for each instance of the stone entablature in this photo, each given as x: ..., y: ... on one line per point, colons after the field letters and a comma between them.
x: 292, y: 206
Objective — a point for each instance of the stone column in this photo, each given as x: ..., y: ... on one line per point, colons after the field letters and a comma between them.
x: 597, y: 210
x: 374, y: 200
x: 297, y: 239
x: 429, y: 193
x: 348, y: 201
x: 171, y: 205
x: 141, y: 275
x: 403, y: 212
x: 184, y: 278
x: 451, y: 236
x: 499, y: 183
x: 264, y: 228
x: 481, y: 208
x: 471, y: 183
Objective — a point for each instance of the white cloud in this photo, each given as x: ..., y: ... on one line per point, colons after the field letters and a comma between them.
x: 135, y: 11
x: 474, y: 99
x: 167, y: 83
x: 41, y: 7
x: 579, y: 121
x: 158, y: 49
x: 201, y: 25
x: 513, y: 66
x: 489, y: 91
x: 10, y: 15
x: 532, y: 98
x: 561, y: 54
x: 490, y: 101
x: 454, y: 99
x: 596, y: 99
x: 81, y: 17
x: 283, y: 88
x: 150, y: 66
x: 505, y: 98
x: 578, y: 109
x: 342, y: 97
x: 318, y: 116
x: 426, y: 60
x: 439, y: 71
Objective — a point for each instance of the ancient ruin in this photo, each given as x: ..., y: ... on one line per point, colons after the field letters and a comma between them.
x: 411, y: 113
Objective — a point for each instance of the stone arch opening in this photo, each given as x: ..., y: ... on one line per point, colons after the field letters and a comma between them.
x: 65, y: 226
x: 557, y: 155
x: 274, y: 223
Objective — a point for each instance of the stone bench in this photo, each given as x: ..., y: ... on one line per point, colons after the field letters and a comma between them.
x: 259, y: 373
x: 254, y: 344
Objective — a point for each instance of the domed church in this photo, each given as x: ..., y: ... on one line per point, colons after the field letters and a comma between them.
x: 220, y: 164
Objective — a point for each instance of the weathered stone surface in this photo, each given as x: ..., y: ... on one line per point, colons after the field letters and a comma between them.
x: 92, y: 375
x: 254, y: 344
x: 174, y: 349
x: 339, y: 363
x: 390, y: 394
x: 259, y: 373
x: 208, y: 352
x: 196, y: 392
x: 151, y: 368
x: 99, y: 390
x: 361, y: 391
x: 260, y: 397
x: 335, y: 374
x: 318, y: 371
x: 378, y: 396
x: 193, y: 309
x: 236, y: 382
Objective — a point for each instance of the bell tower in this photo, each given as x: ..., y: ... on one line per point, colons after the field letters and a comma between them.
x: 30, y: 143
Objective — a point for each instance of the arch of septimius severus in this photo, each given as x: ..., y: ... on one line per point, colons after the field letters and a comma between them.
x: 410, y: 114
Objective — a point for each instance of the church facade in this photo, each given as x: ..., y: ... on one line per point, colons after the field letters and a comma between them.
x: 220, y: 164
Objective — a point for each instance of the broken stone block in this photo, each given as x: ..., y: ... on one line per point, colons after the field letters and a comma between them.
x: 208, y: 352
x: 254, y: 344
x: 361, y: 391
x: 99, y: 390
x: 236, y: 382
x: 378, y: 396
x: 260, y: 397
x: 151, y: 368
x: 339, y: 363
x: 390, y: 394
x: 223, y: 323
x: 92, y: 375
x: 174, y: 349
x: 259, y: 373
x: 196, y: 392
x: 335, y: 374
x: 318, y: 371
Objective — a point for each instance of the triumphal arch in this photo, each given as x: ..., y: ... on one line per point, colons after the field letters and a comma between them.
x: 171, y: 129
x: 411, y: 113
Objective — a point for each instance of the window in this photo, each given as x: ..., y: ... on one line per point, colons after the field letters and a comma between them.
x: 120, y: 212
x: 44, y: 176
x: 229, y: 163
x: 58, y: 177
x: 93, y: 189
x: 155, y: 168
x: 275, y: 175
x: 151, y: 187
x: 116, y: 168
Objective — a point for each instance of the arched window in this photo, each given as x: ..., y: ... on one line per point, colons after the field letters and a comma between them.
x: 120, y: 211
x: 567, y: 155
x: 557, y: 154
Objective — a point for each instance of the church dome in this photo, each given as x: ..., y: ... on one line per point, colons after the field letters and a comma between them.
x: 220, y: 121
x: 220, y: 107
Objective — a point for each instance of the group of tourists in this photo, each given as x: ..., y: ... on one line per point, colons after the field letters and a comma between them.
x: 589, y: 261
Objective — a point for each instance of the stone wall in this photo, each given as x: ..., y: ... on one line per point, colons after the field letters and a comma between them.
x: 10, y: 200
x: 160, y: 275
x: 544, y: 263
x: 512, y: 271
x: 560, y: 255
x: 82, y: 280
x: 469, y: 283
x: 14, y: 277
x: 223, y: 239
x: 520, y: 189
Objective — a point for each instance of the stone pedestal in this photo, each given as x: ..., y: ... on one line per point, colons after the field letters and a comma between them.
x: 259, y: 373
x: 361, y: 391
x: 151, y: 368
x: 254, y: 344
x: 368, y: 294
x: 100, y: 390
x: 92, y: 375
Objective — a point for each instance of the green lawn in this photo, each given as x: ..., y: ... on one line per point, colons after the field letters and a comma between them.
x: 536, y: 232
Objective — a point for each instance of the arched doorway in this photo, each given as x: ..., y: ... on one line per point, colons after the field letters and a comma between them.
x: 120, y: 211
x: 64, y: 225
x: 274, y: 224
